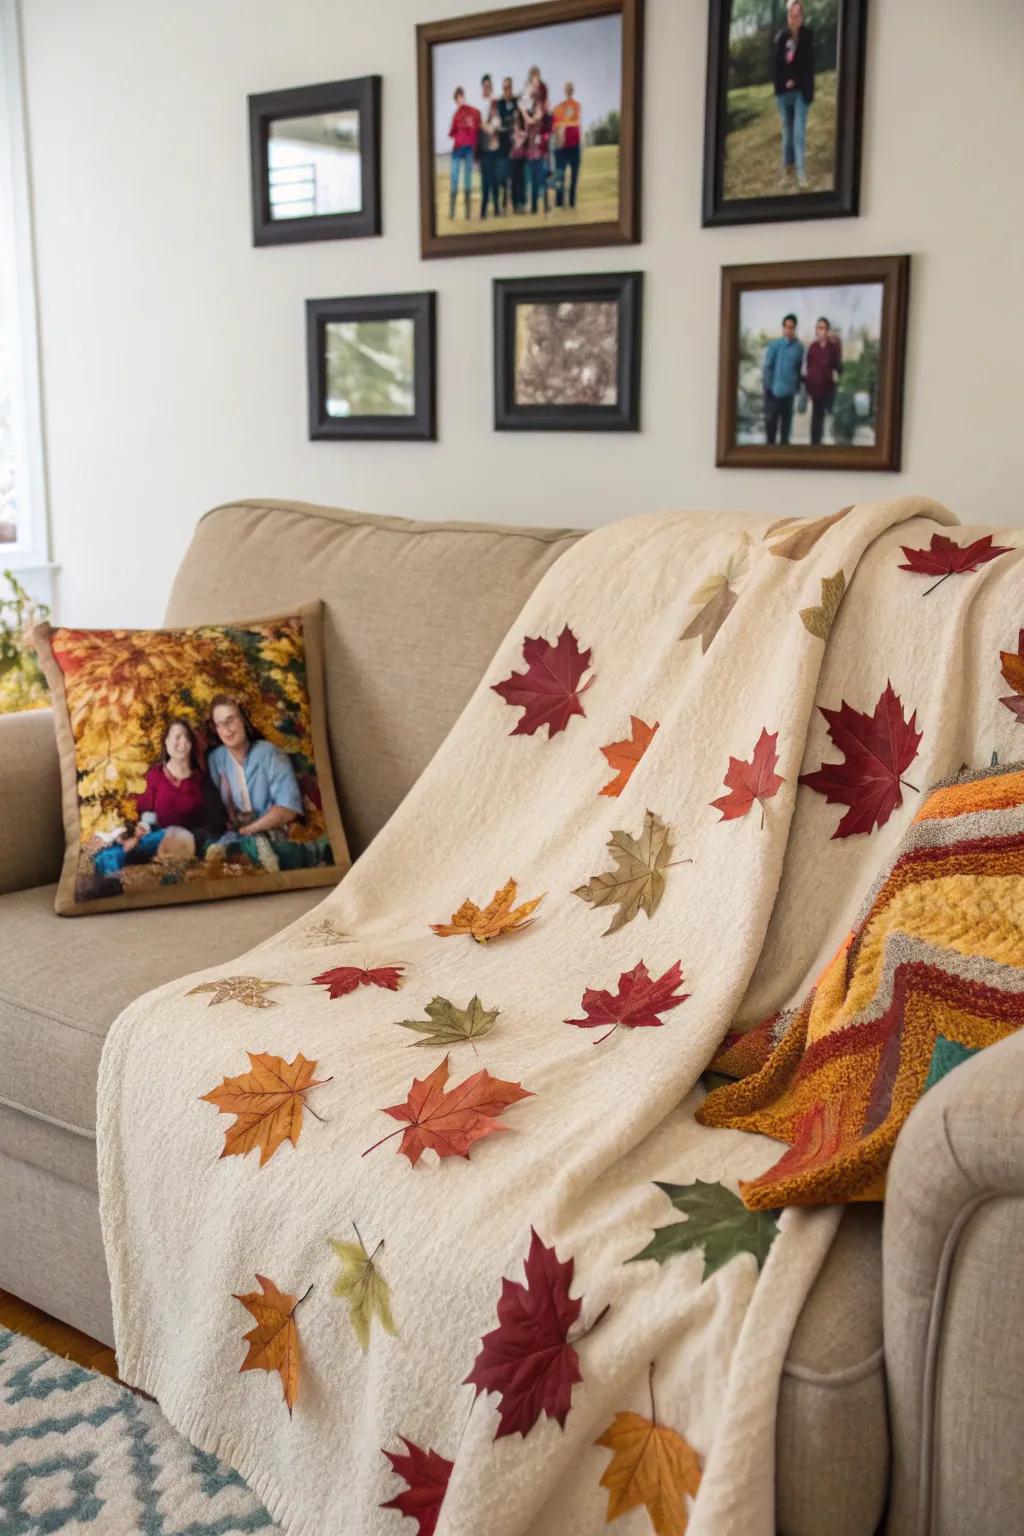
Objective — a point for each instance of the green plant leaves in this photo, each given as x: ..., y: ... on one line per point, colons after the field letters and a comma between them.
x: 717, y: 1221
x: 364, y: 1288
x: 446, y: 1024
x: 637, y: 883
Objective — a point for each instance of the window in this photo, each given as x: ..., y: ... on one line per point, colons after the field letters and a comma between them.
x: 23, y: 539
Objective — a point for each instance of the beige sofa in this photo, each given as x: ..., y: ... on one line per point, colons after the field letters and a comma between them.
x: 905, y: 1376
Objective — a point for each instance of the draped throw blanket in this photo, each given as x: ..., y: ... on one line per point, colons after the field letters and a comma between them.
x: 407, y: 1212
x: 932, y: 971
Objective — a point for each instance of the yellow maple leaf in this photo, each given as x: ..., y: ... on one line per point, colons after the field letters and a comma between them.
x: 498, y: 917
x: 267, y: 1103
x: 274, y: 1342
x: 651, y: 1465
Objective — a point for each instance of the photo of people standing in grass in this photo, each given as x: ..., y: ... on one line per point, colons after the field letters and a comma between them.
x: 526, y: 128
x: 784, y: 109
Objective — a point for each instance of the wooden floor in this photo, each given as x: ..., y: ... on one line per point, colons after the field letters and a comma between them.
x: 19, y: 1317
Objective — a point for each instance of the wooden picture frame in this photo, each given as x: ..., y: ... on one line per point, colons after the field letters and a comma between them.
x: 777, y: 206
x: 361, y: 96
x: 625, y: 290
x: 623, y: 226
x: 420, y: 424
x: 885, y: 396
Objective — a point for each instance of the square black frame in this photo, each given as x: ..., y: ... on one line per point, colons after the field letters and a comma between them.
x: 421, y: 308
x: 844, y: 199
x: 362, y: 96
x: 622, y: 288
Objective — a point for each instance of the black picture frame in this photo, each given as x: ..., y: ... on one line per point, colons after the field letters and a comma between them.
x: 893, y: 274
x: 622, y: 288
x: 421, y: 308
x: 843, y: 201
x: 624, y: 227
x: 361, y: 95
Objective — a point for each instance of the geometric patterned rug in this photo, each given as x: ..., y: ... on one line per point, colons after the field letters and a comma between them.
x: 83, y: 1456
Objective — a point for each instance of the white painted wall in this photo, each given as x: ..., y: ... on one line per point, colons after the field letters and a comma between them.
x: 173, y: 352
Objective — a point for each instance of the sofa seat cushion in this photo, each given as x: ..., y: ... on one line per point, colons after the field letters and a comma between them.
x: 832, y: 1434
x: 63, y: 983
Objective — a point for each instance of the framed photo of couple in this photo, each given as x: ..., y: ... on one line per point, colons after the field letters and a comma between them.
x: 785, y: 89
x: 529, y: 127
x: 811, y: 364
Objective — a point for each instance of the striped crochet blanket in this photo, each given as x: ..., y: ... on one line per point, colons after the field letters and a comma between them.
x: 932, y: 971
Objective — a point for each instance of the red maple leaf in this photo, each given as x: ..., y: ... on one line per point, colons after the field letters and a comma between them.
x: 878, y: 748
x: 427, y: 1474
x: 528, y: 1357
x: 1012, y: 668
x: 344, y: 979
x: 750, y: 781
x: 449, y: 1122
x: 945, y: 557
x: 636, y: 1004
x: 548, y: 691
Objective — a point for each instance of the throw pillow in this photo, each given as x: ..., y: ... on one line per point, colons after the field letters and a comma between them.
x: 194, y: 762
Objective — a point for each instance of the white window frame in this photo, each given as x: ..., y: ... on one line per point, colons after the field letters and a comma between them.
x: 31, y: 549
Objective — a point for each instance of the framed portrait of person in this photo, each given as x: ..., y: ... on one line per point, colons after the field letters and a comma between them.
x: 783, y: 108
x: 811, y: 364
x: 529, y: 127
x: 315, y: 162
x: 370, y: 364
x: 567, y: 353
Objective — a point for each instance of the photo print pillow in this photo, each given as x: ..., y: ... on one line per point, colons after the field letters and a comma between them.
x: 194, y: 762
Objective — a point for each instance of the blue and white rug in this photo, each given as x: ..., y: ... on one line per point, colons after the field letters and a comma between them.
x: 82, y: 1456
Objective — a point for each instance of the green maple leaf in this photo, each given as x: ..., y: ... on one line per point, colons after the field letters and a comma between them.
x: 447, y: 1025
x: 367, y: 1291
x: 638, y: 879
x: 717, y: 1221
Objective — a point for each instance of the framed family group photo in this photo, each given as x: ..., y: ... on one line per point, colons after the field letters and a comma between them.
x: 811, y: 360
x: 314, y: 152
x: 529, y: 127
x: 785, y: 88
x: 370, y: 364
x: 567, y: 353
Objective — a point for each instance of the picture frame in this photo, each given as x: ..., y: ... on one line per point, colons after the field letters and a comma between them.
x: 321, y: 180
x: 395, y: 365
x: 617, y: 374
x: 604, y: 155
x: 855, y: 393
x: 738, y: 177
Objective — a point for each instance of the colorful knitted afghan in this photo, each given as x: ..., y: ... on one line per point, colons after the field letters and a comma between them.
x: 932, y: 971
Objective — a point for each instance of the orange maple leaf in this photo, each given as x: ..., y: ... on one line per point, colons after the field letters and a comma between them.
x: 623, y: 756
x: 652, y: 1465
x: 274, y: 1342
x: 268, y: 1104
x: 450, y: 1122
x: 493, y: 920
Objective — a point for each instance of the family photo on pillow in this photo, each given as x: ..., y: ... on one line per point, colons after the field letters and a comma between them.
x: 191, y: 760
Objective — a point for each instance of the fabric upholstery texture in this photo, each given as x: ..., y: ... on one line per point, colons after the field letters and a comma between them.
x: 62, y: 984
x: 413, y: 612
x: 33, y: 837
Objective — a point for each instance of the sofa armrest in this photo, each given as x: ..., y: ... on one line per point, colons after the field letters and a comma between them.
x: 32, y: 842
x: 953, y: 1266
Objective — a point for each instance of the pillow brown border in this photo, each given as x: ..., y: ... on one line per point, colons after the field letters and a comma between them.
x: 67, y: 904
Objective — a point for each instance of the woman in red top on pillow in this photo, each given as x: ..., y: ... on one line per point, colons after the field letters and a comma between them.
x: 176, y: 799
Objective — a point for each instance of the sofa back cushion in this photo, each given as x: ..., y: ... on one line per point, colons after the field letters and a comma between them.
x: 413, y: 613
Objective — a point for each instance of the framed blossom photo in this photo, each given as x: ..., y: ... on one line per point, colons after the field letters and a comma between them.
x: 783, y: 110
x: 529, y: 127
x: 567, y: 353
x: 811, y: 364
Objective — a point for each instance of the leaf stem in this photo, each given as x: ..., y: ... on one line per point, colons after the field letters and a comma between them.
x: 383, y: 1139
x: 359, y: 1238
x: 650, y: 1388
x: 606, y: 1034
x: 678, y: 861
x: 910, y: 786
x: 937, y: 583
x: 301, y: 1299
x: 597, y: 1320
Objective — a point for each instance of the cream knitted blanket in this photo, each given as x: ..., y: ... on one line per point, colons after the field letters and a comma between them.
x: 573, y: 1319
